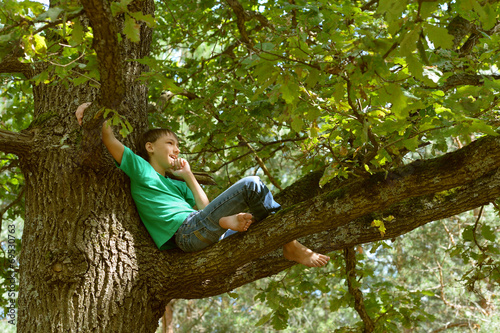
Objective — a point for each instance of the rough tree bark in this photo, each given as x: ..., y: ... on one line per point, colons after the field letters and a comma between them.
x: 89, y: 265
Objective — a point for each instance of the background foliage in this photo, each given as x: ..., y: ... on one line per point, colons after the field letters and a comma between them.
x: 280, y: 88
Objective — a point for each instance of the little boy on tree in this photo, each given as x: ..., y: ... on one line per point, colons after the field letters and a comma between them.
x: 179, y: 214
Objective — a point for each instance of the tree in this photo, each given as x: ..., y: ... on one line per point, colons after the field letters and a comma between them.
x: 350, y: 93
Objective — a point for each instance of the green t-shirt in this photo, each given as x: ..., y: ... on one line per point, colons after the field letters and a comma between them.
x: 163, y: 203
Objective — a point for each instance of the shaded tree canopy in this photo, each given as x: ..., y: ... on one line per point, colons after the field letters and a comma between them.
x: 368, y: 118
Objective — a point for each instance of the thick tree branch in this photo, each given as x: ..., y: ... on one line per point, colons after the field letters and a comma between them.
x: 409, y: 215
x: 109, y: 53
x: 459, y: 28
x: 15, y: 143
x: 243, y: 16
x: 464, y: 79
x: 11, y: 64
x: 337, y: 209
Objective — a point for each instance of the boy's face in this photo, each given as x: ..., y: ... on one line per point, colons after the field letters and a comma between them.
x: 163, y: 151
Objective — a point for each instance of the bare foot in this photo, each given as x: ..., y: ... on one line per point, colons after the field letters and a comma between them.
x: 303, y: 255
x: 237, y: 222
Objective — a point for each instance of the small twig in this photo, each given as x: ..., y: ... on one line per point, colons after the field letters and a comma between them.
x: 393, y: 47
x: 260, y: 162
x: 257, y: 51
x: 52, y: 24
x: 414, y: 135
x: 452, y: 325
x: 475, y: 228
x: 452, y: 240
x: 10, y: 205
x: 71, y: 62
x: 356, y: 109
x: 359, y: 306
x: 197, y: 320
x: 88, y: 77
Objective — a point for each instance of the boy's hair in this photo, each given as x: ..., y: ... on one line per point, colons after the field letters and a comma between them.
x: 151, y: 136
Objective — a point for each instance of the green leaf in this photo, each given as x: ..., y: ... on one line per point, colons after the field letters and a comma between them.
x: 169, y: 84
x: 40, y: 46
x: 409, y: 42
x: 487, y: 15
x: 427, y: 8
x: 148, y: 19
x: 265, y: 46
x: 330, y: 172
x: 77, y: 32
x: 279, y: 320
x: 263, y: 71
x: 468, y: 234
x: 411, y: 144
x: 79, y: 80
x: 233, y: 295
x: 492, y: 84
x: 479, y: 125
x: 131, y: 29
x: 398, y: 101
x: 264, y: 319
x: 120, y: 7
x: 312, y: 78
x: 415, y: 67
x: 6, y: 38
x: 466, y: 5
x: 379, y: 224
x: 297, y: 124
x: 488, y: 233
x: 290, y: 92
x: 427, y: 293
x: 339, y: 91
x: 392, y: 9
x: 126, y: 128
x: 421, y: 50
x: 439, y: 36
x: 52, y: 14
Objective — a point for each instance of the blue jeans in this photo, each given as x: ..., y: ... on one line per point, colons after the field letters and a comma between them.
x: 201, y: 228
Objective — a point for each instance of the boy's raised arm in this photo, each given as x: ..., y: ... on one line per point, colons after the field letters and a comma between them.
x: 115, y: 147
x: 182, y: 168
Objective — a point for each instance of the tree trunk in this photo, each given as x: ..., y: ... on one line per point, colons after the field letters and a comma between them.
x: 79, y: 270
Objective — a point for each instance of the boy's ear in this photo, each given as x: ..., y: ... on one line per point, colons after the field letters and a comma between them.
x: 149, y: 147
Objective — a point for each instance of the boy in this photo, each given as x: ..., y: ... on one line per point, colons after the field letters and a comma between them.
x: 167, y: 206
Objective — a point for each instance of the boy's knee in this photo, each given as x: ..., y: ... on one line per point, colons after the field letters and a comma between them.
x: 252, y: 181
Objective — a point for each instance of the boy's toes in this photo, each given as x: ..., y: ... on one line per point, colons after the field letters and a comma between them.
x: 248, y: 219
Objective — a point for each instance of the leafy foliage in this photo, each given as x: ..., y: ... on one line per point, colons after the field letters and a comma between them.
x: 280, y: 88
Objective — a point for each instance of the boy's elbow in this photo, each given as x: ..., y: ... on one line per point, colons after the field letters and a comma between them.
x: 114, y: 147
x: 117, y: 152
